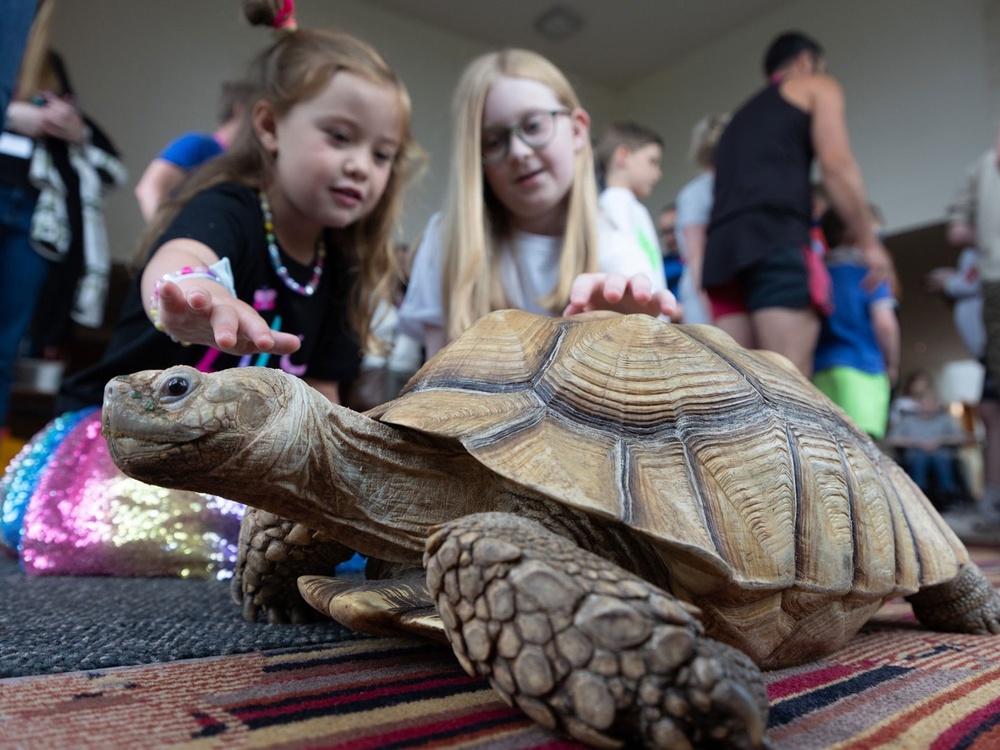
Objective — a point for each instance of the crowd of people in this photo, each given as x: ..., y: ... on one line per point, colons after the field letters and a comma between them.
x: 271, y: 242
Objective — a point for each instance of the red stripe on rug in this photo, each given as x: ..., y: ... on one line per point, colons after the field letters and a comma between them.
x: 300, y: 704
x: 971, y: 729
x: 802, y: 683
x: 905, y: 720
x: 486, y: 721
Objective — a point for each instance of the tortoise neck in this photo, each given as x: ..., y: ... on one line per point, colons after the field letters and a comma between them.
x: 375, y: 488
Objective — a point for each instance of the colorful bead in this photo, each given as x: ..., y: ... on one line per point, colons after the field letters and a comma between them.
x: 279, y: 268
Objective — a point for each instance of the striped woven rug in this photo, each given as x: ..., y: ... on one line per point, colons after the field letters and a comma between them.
x: 895, y: 685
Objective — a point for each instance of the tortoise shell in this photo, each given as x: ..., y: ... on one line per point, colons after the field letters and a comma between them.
x: 758, y: 492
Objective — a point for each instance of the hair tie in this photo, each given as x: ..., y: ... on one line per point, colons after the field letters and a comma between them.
x: 285, y: 18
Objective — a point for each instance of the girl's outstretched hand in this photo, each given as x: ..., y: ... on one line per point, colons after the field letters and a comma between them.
x: 614, y: 291
x: 193, y: 315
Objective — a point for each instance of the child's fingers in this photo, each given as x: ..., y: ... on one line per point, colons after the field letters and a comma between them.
x: 614, y: 287
x: 641, y: 288
x: 225, y: 327
x: 582, y: 289
x: 171, y: 298
x: 667, y: 302
x: 285, y: 343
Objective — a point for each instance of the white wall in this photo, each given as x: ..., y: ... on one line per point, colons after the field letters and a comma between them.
x: 920, y: 100
x: 922, y: 79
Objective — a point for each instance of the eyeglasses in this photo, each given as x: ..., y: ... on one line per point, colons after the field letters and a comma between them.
x: 535, y: 130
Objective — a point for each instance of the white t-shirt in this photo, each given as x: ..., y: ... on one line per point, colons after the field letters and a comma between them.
x: 632, y: 219
x: 529, y: 270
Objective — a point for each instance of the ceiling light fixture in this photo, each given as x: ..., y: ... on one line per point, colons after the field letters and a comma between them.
x: 558, y: 23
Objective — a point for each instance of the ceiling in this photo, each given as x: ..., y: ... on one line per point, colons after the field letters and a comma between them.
x: 618, y: 42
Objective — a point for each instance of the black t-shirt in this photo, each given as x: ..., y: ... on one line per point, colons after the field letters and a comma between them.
x: 228, y: 219
x: 762, y: 196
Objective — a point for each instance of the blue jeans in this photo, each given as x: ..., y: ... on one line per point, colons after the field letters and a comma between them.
x: 22, y: 274
x: 17, y: 16
x: 921, y: 465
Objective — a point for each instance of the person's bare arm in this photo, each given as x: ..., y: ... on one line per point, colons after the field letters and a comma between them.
x: 202, y: 311
x: 695, y: 238
x: 434, y: 340
x: 886, y: 327
x: 156, y: 184
x: 962, y: 211
x: 56, y: 118
x: 694, y: 252
x: 25, y: 119
x: 329, y: 388
x: 961, y: 235
x: 842, y: 177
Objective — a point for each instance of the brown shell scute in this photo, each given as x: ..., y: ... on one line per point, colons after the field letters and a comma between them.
x: 745, y: 476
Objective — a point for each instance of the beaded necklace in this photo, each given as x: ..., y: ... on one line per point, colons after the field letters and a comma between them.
x: 279, y: 267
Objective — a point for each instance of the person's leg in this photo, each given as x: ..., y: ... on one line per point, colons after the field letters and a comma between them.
x: 793, y: 333
x: 738, y: 326
x: 729, y: 312
x: 22, y: 273
x: 943, y: 469
x: 917, y: 465
x: 989, y: 413
x: 991, y: 321
x: 782, y: 315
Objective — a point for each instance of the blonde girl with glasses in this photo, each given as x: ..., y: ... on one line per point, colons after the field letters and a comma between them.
x: 521, y: 226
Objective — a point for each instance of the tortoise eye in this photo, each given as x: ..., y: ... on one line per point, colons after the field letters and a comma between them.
x: 175, y: 387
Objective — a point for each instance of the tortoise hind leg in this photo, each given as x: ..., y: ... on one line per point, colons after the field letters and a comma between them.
x: 585, y: 647
x: 273, y: 553
x: 966, y: 604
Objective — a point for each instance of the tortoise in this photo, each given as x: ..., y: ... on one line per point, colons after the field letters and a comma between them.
x: 618, y: 521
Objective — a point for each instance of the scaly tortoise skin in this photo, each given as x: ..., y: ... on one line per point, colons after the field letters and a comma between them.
x: 613, y: 513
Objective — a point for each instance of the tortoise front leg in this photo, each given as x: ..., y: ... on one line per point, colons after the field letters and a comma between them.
x: 583, y: 646
x: 968, y: 603
x: 273, y: 553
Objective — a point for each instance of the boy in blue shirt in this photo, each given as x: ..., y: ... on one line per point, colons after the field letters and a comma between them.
x: 857, y: 357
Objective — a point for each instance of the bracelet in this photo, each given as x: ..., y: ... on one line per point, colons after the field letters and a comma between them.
x: 220, y: 272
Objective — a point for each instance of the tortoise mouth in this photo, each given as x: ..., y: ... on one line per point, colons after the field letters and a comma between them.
x: 141, y: 445
x: 121, y: 425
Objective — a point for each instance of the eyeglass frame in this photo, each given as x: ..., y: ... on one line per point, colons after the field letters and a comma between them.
x: 516, y: 129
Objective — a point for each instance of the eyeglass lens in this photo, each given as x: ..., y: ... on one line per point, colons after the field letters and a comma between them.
x: 535, y: 129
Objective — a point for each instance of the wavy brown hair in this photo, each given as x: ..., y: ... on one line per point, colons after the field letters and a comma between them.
x: 293, y: 69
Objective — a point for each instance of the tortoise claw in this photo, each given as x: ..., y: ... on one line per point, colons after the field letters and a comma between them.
x: 390, y: 606
x: 250, y: 610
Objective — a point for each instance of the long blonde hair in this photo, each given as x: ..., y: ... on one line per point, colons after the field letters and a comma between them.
x: 292, y: 70
x: 476, y: 223
x: 37, y: 73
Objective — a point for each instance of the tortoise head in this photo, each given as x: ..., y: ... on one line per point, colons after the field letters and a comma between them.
x: 181, y: 426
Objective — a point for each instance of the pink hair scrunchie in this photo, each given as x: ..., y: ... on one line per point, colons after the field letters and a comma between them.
x: 286, y: 16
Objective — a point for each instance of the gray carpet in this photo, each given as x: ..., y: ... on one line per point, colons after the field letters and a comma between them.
x: 63, y: 624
